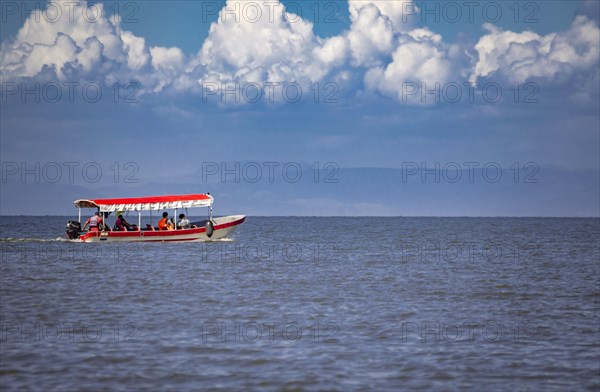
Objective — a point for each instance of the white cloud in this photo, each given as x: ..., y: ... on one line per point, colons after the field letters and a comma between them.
x: 371, y: 36
x: 264, y: 43
x: 419, y: 62
x: 333, y: 51
x: 167, y: 58
x: 83, y: 44
x: 393, y: 52
x: 138, y: 55
x: 90, y: 55
x: 522, y: 56
x: 283, y: 47
x: 397, y: 12
x: 260, y: 44
x: 57, y: 54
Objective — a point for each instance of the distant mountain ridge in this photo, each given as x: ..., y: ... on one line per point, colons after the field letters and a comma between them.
x: 549, y: 191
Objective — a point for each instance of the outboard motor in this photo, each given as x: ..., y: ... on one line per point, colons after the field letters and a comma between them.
x: 73, y: 229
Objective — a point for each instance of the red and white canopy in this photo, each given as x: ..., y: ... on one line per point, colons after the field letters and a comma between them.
x: 147, y: 203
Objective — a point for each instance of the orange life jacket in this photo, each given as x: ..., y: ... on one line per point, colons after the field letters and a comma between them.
x: 162, y: 224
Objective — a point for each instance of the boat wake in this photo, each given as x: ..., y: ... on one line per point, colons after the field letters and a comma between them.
x: 9, y: 239
x: 219, y: 240
x: 59, y: 239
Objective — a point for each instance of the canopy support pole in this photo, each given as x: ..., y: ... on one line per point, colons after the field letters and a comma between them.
x: 140, y: 220
x: 175, y: 219
x: 79, y: 211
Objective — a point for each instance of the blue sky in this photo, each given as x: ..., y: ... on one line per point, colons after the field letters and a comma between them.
x: 518, y: 88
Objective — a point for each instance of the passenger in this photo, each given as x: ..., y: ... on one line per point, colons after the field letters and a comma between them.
x: 184, y: 222
x: 121, y: 224
x: 94, y: 221
x: 165, y: 223
x: 162, y: 224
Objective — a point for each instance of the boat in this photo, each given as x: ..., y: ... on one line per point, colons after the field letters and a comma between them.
x: 212, y: 228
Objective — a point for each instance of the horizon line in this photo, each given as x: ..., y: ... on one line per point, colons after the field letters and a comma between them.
x: 368, y: 216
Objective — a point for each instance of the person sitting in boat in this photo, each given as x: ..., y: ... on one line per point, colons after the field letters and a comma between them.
x: 165, y: 223
x: 121, y: 224
x: 184, y: 222
x: 95, y: 222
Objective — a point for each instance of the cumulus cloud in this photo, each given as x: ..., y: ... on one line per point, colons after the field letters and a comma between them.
x: 378, y: 47
x: 270, y: 44
x: 396, y: 12
x: 394, y: 53
x: 259, y: 44
x: 82, y: 43
x: 371, y: 35
x: 519, y: 57
x: 61, y: 44
x: 264, y: 43
x: 419, y: 59
x: 138, y: 55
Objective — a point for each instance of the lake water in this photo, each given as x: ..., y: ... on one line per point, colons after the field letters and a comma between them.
x: 306, y: 304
